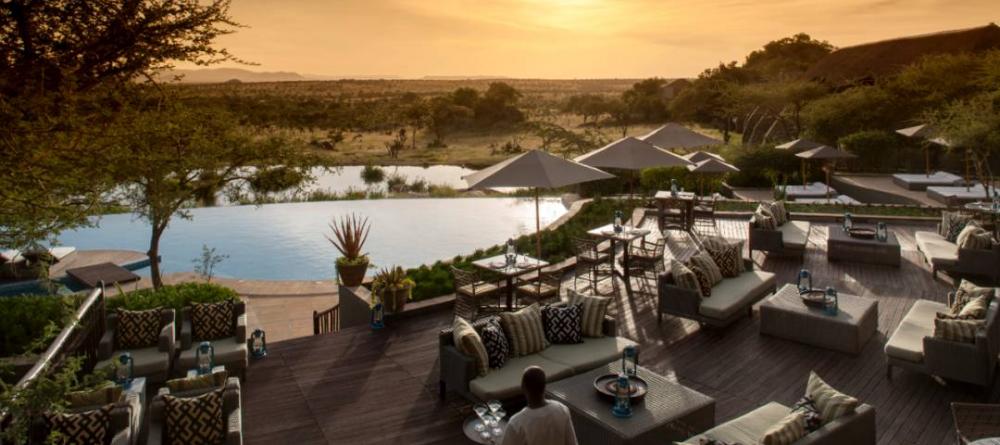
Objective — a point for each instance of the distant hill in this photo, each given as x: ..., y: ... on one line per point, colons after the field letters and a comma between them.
x: 464, y: 77
x: 221, y: 75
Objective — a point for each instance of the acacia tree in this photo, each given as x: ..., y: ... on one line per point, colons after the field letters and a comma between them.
x: 64, y: 67
x: 177, y: 153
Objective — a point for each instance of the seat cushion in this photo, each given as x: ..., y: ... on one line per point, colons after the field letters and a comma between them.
x: 938, y: 251
x: 145, y: 362
x: 593, y: 352
x: 732, y: 295
x: 505, y: 383
x: 795, y: 234
x: 228, y: 352
x: 907, y: 342
x: 478, y: 289
x: 748, y: 428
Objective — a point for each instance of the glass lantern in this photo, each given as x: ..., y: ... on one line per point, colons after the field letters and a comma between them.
x: 630, y: 360
x: 881, y: 232
x: 258, y: 343
x: 623, y: 400
x: 204, y: 356
x: 617, y: 223
x: 673, y: 187
x: 848, y: 224
x: 511, y: 254
x: 378, y: 315
x: 123, y: 373
x: 805, y: 283
x: 832, y: 306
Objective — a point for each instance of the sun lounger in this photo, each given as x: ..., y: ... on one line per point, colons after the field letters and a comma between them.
x: 814, y: 190
x: 916, y: 181
x: 953, y: 196
x: 61, y: 252
x: 11, y: 256
x: 839, y: 199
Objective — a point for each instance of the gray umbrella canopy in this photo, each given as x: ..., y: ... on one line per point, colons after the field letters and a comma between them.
x: 929, y: 133
x: 713, y: 165
x: 799, y: 145
x: 825, y: 152
x: 630, y: 153
x: 674, y: 135
x: 699, y: 156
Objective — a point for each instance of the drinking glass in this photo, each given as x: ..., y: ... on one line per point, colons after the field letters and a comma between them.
x: 480, y: 410
x: 494, y: 406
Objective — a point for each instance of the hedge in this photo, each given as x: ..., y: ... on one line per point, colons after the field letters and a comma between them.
x: 24, y: 319
x: 172, y: 297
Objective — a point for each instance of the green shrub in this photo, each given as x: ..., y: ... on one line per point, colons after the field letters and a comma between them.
x: 763, y: 166
x: 876, y: 150
x: 658, y: 178
x: 172, y: 297
x: 27, y: 318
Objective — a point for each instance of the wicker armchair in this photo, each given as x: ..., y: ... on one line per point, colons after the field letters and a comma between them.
x: 471, y: 291
x: 153, y: 362
x: 230, y: 352
x: 232, y: 418
x: 592, y: 264
x: 543, y: 287
x: 974, y: 421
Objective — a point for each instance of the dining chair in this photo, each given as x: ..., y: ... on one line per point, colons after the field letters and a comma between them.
x: 471, y: 292
x: 540, y: 288
x: 592, y: 264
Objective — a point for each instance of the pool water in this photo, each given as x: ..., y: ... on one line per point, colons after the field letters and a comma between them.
x: 286, y: 241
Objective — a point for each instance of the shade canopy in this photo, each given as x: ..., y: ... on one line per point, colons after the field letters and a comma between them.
x: 535, y: 168
x: 674, y: 135
x: 699, y: 156
x: 799, y: 145
x: 825, y: 152
x: 630, y: 153
x: 713, y: 165
x: 923, y: 131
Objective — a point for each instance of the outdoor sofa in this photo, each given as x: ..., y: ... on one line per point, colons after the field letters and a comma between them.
x: 788, y: 239
x: 458, y: 371
x: 944, y: 255
x: 857, y: 428
x: 731, y: 299
x: 913, y: 346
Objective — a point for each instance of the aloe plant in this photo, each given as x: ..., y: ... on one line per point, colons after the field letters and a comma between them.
x: 349, y: 235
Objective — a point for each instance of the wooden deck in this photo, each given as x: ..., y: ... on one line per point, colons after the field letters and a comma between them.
x: 359, y: 386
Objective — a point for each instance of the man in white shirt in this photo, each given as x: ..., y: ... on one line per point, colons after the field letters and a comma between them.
x: 542, y: 422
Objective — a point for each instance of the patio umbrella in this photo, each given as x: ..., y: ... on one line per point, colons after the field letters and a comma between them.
x: 673, y: 135
x: 798, y: 145
x: 711, y: 166
x: 927, y: 133
x: 536, y: 169
x: 631, y: 154
x: 828, y: 154
x: 699, y: 156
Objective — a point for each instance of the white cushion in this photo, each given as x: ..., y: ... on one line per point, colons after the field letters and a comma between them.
x: 795, y: 233
x: 593, y: 352
x: 938, y: 250
x: 732, y: 295
x: 145, y: 361
x: 907, y: 342
x: 748, y: 428
x: 505, y: 382
x: 61, y: 252
x: 227, y: 351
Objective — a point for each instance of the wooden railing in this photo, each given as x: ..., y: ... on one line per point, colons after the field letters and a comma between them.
x: 80, y: 337
x: 327, y: 321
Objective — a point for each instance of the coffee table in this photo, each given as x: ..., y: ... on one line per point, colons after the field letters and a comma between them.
x: 840, y: 246
x: 784, y: 315
x: 670, y: 411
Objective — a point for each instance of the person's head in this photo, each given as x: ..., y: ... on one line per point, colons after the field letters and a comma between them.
x: 533, y: 385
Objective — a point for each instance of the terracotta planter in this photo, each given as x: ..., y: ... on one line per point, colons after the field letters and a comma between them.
x: 352, y: 275
x: 395, y: 301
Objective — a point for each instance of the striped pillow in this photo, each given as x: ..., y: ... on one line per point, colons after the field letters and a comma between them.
x: 728, y: 255
x: 762, y: 221
x: 778, y: 212
x: 467, y: 341
x: 957, y: 330
x: 524, y: 330
x: 594, y: 310
x: 684, y: 277
x: 831, y: 403
x: 789, y: 429
x: 704, y: 261
x: 966, y: 292
x: 704, y: 281
x: 975, y: 309
x: 974, y: 237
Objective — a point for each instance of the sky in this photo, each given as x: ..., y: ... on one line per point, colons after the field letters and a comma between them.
x: 561, y: 38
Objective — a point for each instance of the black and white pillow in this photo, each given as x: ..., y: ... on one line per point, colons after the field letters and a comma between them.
x: 497, y: 346
x: 812, y: 417
x: 563, y: 323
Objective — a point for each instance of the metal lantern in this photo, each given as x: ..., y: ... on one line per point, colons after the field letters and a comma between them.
x: 126, y: 366
x: 258, y: 343
x: 623, y: 400
x: 832, y: 306
x: 205, y: 357
x: 617, y: 223
x: 378, y: 315
x: 673, y: 187
x: 881, y: 232
x: 805, y: 283
x: 630, y: 360
x: 511, y: 255
x: 848, y: 224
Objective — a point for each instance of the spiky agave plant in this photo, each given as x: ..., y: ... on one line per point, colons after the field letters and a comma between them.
x: 349, y: 235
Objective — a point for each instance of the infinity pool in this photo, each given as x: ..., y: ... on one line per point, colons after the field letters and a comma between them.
x: 286, y: 241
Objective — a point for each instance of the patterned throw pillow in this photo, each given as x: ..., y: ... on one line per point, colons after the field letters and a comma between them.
x: 496, y: 344
x: 831, y: 403
x: 778, y: 212
x: 728, y: 255
x: 948, y: 222
x: 594, y: 310
x: 957, y: 330
x: 763, y: 222
x: 468, y: 342
x: 807, y: 406
x: 103, y: 394
x: 974, y: 237
x: 207, y: 381
x: 212, y: 321
x: 138, y: 329
x: 195, y: 419
x: 563, y: 324
x: 789, y: 429
x: 87, y: 427
x: 704, y: 261
x: 685, y: 277
x: 968, y: 291
x: 524, y: 329
x: 704, y: 280
x: 957, y: 224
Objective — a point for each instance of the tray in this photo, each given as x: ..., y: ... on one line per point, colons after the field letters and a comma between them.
x: 815, y: 298
x: 608, y: 383
x: 864, y: 233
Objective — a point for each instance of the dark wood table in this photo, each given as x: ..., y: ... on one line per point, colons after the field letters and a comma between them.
x: 841, y: 246
x: 625, y: 237
x: 682, y: 200
x: 522, y: 265
x: 784, y: 315
x: 109, y: 273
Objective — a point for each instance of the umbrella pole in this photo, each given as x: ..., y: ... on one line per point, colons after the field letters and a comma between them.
x: 803, y: 172
x: 828, y: 168
x: 968, y: 184
x: 538, y: 228
x: 927, y: 159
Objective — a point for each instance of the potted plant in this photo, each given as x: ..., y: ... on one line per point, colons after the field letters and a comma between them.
x: 393, y: 287
x: 349, y: 235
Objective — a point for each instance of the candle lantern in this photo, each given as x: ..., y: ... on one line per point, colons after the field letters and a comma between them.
x: 673, y: 187
x: 623, y: 400
x: 258, y: 343
x: 805, y: 283
x: 123, y: 373
x: 832, y: 306
x: 630, y: 360
x: 617, y: 222
x: 848, y: 224
x: 205, y: 357
x: 511, y: 254
x: 881, y: 232
x: 378, y: 314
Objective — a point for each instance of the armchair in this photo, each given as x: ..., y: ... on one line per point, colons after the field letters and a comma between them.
x: 152, y: 362
x: 230, y: 352
x: 159, y: 427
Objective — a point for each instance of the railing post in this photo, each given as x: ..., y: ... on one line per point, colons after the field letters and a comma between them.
x: 315, y: 323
